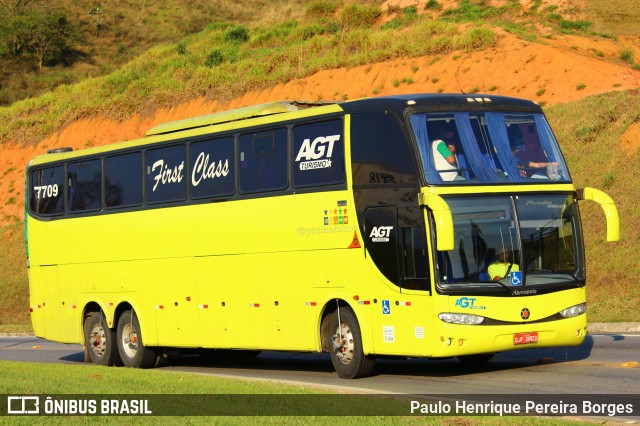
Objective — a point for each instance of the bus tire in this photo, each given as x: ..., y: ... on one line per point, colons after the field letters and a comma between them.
x: 100, y: 341
x: 130, y: 344
x: 347, y: 355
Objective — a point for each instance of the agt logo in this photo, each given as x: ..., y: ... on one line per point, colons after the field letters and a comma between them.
x: 380, y: 234
x: 317, y: 154
x: 468, y: 302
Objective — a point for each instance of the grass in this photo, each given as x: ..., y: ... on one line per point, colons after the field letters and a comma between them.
x: 625, y: 21
x: 167, y: 391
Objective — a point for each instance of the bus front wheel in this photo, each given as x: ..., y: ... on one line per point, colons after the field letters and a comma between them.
x: 100, y: 340
x: 130, y: 345
x: 347, y: 355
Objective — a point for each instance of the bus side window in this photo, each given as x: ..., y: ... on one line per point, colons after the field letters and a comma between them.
x: 263, y: 161
x: 380, y: 152
x: 166, y: 174
x: 123, y: 180
x: 212, y: 165
x: 85, y: 186
x: 318, y: 154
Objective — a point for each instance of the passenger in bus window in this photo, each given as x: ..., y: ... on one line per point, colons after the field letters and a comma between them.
x: 528, y: 167
x: 532, y: 161
x: 445, y: 158
x: 502, y: 266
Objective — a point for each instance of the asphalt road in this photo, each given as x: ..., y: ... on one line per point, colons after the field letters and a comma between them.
x: 605, y: 364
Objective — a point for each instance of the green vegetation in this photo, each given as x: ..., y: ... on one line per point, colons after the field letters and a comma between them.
x: 627, y: 56
x: 433, y: 5
x: 625, y: 21
x: 321, y: 9
x: 406, y: 17
x: 472, y: 11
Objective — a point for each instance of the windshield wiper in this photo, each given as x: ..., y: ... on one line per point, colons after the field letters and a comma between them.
x: 543, y: 271
x: 503, y: 285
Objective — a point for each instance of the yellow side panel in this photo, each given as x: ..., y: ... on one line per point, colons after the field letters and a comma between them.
x: 36, y: 299
x: 51, y: 303
x: 173, y: 284
x: 224, y: 301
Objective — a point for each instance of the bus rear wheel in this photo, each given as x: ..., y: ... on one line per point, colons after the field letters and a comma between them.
x: 100, y: 340
x: 130, y: 344
x: 347, y: 355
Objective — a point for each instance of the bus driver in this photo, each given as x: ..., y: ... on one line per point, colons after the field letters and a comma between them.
x: 502, y: 267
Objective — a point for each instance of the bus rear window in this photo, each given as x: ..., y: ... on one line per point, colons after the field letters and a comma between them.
x: 47, y: 191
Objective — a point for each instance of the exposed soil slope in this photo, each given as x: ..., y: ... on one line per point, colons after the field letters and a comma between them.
x: 562, y: 70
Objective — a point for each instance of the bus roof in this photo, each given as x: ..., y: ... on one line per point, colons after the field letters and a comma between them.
x: 442, y: 102
x: 261, y: 110
x: 399, y: 104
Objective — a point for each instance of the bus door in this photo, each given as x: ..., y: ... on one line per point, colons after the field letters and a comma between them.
x: 396, y: 242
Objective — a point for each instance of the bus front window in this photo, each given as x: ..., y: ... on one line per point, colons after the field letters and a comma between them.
x: 537, y: 236
x: 551, y: 238
x: 466, y: 148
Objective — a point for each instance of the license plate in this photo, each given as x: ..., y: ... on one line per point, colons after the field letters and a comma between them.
x: 525, y: 338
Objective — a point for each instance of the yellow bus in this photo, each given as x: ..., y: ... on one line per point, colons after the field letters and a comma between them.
x: 406, y: 226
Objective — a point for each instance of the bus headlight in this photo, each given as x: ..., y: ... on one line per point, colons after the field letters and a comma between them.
x: 467, y: 319
x: 574, y: 311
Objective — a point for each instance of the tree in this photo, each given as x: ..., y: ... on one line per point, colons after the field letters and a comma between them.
x: 43, y: 34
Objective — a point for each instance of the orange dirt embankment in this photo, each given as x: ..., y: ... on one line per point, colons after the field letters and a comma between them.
x: 564, y: 70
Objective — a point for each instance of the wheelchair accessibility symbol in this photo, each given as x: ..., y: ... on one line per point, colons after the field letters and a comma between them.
x: 386, y: 307
x: 516, y: 278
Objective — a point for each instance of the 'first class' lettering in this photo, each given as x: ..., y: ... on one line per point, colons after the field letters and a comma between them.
x: 166, y: 174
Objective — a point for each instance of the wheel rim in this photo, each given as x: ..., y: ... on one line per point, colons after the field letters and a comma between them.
x: 98, y: 340
x: 343, y: 344
x: 130, y: 340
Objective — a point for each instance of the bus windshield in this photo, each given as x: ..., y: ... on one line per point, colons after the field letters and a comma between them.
x: 525, y: 240
x: 490, y: 147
